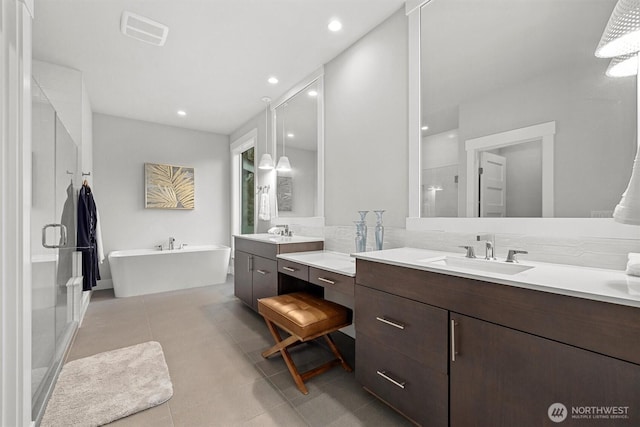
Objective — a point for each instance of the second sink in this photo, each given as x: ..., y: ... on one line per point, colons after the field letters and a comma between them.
x: 479, y: 265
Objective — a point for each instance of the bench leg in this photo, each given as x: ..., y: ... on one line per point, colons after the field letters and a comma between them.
x: 281, y: 346
x: 336, y: 352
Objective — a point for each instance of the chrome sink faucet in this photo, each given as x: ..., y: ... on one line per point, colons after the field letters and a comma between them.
x: 171, y: 242
x: 489, y: 244
x: 471, y: 253
x: 511, y: 256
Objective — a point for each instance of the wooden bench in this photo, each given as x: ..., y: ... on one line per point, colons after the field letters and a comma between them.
x: 305, y: 317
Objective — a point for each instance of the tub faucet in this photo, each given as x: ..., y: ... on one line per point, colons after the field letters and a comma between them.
x: 171, y: 242
x: 490, y: 245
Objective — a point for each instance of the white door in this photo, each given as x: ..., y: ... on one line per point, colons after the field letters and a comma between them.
x: 492, y: 180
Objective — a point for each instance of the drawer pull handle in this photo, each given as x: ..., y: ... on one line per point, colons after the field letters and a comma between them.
x: 389, y: 322
x: 262, y: 272
x: 384, y: 375
x: 289, y: 269
x: 322, y: 279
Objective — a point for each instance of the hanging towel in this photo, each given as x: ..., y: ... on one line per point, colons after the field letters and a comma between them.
x: 99, y: 247
x: 633, y: 266
x: 264, y: 212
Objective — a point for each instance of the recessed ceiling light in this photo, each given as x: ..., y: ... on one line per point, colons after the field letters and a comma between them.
x: 182, y: 113
x: 273, y: 80
x: 335, y: 25
x: 313, y: 93
x: 290, y: 135
x: 424, y: 127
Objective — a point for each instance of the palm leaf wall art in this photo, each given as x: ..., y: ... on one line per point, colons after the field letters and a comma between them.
x: 168, y: 187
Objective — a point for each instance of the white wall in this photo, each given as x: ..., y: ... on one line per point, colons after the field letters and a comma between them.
x: 524, y: 179
x: 121, y: 147
x: 366, y: 140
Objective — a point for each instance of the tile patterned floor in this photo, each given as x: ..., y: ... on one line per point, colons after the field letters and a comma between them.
x: 212, y: 344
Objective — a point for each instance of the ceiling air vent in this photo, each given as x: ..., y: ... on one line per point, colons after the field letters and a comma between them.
x: 143, y: 29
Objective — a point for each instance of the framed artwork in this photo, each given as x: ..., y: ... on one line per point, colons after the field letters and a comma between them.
x: 285, y: 193
x: 168, y: 187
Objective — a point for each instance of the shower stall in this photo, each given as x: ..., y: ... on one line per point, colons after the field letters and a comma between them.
x: 55, y: 183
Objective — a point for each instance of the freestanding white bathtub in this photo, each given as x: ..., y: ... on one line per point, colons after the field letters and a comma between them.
x: 147, y: 271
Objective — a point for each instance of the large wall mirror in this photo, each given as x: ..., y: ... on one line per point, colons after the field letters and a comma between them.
x: 298, y: 135
x: 518, y: 117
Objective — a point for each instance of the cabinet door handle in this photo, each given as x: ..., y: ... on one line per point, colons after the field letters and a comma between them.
x: 384, y: 375
x: 453, y: 340
x: 389, y: 322
x: 262, y: 272
x: 250, y: 264
x: 322, y: 279
x: 289, y: 269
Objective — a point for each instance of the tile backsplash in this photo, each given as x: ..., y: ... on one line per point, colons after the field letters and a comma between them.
x: 610, y: 253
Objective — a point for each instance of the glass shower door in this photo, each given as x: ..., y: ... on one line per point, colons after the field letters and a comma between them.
x: 53, y: 234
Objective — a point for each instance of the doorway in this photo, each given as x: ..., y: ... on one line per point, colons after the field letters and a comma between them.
x: 248, y: 191
x: 243, y: 184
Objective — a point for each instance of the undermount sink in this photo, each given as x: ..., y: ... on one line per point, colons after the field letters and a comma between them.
x: 479, y: 264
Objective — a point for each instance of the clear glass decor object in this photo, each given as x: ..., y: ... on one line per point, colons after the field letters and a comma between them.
x: 379, y: 230
x: 360, y: 237
x: 363, y: 218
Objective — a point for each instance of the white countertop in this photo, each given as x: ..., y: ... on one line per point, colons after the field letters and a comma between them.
x: 279, y: 240
x: 335, y: 262
x: 598, y: 284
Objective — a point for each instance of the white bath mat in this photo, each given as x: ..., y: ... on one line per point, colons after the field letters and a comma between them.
x: 99, y: 389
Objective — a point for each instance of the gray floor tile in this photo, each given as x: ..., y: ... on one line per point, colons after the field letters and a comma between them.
x: 157, y: 416
x: 331, y: 401
x: 213, y: 344
x: 230, y: 407
x: 280, y: 416
x: 374, y: 414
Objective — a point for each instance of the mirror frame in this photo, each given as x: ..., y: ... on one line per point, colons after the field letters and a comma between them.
x: 316, y: 77
x: 559, y: 227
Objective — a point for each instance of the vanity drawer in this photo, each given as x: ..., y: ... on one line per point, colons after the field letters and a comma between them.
x: 263, y: 249
x: 411, y: 388
x: 294, y: 269
x: 418, y: 330
x: 330, y: 280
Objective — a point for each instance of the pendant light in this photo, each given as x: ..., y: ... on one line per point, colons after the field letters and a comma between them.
x: 283, y: 163
x: 622, y: 37
x: 266, y: 162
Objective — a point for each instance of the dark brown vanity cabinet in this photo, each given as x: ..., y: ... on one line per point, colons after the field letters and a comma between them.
x: 255, y: 277
x: 401, y: 354
x: 503, y: 377
x: 483, y: 354
x: 256, y: 268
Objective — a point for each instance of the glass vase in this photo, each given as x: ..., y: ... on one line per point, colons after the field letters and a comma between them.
x: 379, y: 230
x: 363, y: 219
x: 360, y: 238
